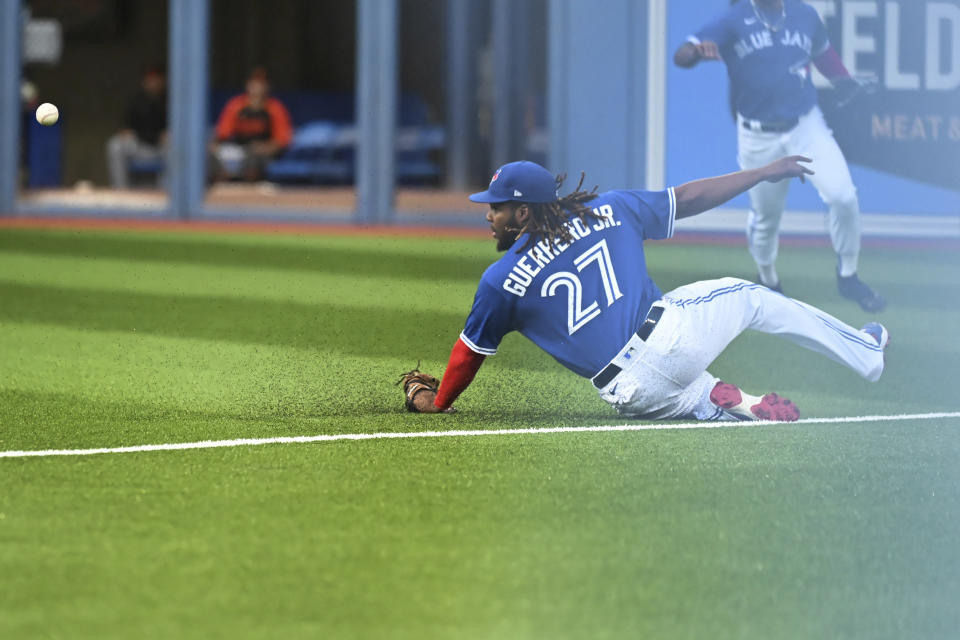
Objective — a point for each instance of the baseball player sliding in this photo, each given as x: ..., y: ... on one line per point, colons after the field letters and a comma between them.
x: 574, y: 281
x: 767, y: 46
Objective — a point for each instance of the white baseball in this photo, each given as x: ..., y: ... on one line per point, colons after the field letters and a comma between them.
x: 47, y: 114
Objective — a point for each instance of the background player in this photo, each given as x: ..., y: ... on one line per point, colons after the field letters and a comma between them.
x: 575, y: 282
x: 768, y: 46
x: 252, y: 129
x: 144, y: 134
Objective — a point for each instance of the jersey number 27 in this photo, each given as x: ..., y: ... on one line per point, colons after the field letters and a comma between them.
x: 577, y: 315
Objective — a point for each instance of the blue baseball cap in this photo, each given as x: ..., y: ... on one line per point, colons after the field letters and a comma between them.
x: 521, y: 181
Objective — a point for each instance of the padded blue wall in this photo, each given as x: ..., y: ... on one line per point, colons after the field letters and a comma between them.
x: 597, y: 95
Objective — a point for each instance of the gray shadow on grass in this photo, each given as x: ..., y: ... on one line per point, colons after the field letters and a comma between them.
x: 375, y: 261
x: 363, y: 331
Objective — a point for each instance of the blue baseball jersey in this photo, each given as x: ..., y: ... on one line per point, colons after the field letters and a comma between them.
x: 769, y: 67
x: 579, y: 301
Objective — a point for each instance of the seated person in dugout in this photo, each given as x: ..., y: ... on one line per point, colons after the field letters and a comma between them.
x: 252, y: 129
x: 143, y: 137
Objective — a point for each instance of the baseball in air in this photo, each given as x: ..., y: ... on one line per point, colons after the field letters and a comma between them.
x: 47, y: 114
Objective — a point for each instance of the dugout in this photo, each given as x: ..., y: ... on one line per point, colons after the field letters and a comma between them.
x: 343, y: 60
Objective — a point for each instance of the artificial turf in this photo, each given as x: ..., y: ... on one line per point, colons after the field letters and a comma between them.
x: 112, y: 339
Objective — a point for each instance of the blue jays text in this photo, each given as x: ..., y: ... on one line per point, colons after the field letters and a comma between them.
x: 764, y: 39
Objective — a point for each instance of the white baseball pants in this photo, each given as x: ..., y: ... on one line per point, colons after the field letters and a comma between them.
x: 121, y: 149
x: 665, y: 377
x: 811, y: 138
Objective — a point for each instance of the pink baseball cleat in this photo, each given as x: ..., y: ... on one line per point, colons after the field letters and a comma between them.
x: 733, y: 400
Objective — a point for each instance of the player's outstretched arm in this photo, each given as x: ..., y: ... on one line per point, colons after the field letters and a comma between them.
x: 702, y: 195
x: 689, y: 53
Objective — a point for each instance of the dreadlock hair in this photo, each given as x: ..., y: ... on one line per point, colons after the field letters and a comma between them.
x: 548, y: 220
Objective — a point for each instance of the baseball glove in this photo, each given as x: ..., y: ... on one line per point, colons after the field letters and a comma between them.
x: 849, y: 89
x: 414, y: 382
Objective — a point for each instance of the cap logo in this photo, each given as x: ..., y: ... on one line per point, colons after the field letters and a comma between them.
x: 495, y: 176
x: 517, y: 194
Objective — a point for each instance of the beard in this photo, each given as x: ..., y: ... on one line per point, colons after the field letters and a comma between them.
x: 506, y: 240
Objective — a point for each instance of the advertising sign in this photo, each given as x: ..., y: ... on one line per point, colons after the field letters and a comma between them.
x: 910, y: 126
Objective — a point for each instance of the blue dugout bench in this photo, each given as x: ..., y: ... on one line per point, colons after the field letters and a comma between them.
x: 322, y: 150
x: 324, y: 141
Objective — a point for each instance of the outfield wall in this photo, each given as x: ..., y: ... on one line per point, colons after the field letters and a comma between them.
x: 903, y: 142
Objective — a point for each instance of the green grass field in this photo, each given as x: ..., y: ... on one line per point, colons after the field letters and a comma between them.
x: 107, y: 339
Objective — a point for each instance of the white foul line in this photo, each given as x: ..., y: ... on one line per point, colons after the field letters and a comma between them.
x: 251, y: 442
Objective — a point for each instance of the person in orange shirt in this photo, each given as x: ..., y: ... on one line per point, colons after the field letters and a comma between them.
x: 251, y: 130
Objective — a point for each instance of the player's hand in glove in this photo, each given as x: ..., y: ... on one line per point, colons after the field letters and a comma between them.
x: 420, y: 389
x: 848, y: 89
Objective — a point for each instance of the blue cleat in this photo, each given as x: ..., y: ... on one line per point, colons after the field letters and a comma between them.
x: 878, y: 332
x: 853, y: 288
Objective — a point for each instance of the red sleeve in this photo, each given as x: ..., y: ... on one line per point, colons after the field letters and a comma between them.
x: 463, y: 365
x: 830, y: 65
x: 228, y: 117
x: 281, y: 131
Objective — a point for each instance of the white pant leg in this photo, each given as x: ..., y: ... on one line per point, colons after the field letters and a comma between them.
x: 232, y: 158
x: 714, y: 312
x: 646, y: 387
x: 120, y: 148
x: 149, y: 153
x: 667, y: 375
x: 813, y: 138
x: 767, y: 199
